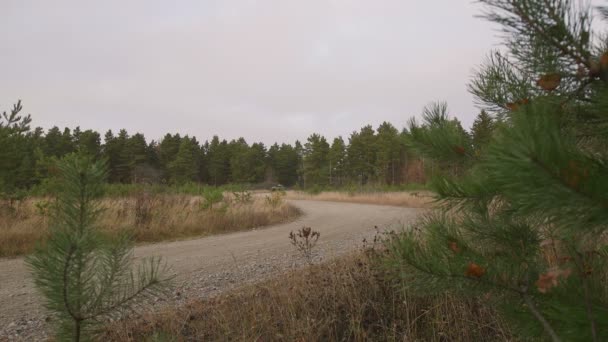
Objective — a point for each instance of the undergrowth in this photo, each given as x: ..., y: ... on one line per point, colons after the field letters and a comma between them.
x: 350, y: 299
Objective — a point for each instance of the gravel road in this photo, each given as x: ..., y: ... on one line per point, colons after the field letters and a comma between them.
x: 209, y: 265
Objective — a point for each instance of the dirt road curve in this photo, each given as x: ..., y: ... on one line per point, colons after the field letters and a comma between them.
x: 208, y: 265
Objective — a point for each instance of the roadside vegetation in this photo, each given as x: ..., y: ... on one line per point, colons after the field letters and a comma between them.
x: 148, y: 217
x: 407, y: 199
x: 354, y: 298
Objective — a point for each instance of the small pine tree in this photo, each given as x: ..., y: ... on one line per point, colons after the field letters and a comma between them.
x: 525, y: 225
x: 86, y: 277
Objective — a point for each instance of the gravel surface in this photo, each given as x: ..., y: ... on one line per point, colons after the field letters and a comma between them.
x: 207, y: 266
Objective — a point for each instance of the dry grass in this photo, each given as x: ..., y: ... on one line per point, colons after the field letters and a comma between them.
x: 149, y: 218
x: 409, y: 199
x: 345, y: 300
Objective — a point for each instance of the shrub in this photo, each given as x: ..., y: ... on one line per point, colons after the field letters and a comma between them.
x: 212, y: 196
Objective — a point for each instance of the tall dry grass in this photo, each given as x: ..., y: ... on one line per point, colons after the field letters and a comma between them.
x: 149, y: 218
x: 409, y: 199
x: 350, y: 299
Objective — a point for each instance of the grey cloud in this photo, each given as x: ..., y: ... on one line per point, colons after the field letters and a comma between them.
x: 266, y: 70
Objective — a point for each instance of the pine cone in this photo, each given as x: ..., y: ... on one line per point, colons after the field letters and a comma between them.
x: 549, y: 82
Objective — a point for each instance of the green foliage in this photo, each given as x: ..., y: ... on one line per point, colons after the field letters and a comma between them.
x: 247, y: 164
x: 218, y: 159
x: 184, y: 168
x: 285, y: 162
x: 84, y: 276
x: 389, y: 155
x: 316, y: 189
x: 523, y: 224
x: 482, y: 130
x: 14, y: 130
x: 361, y: 154
x: 441, y: 139
x: 28, y: 162
x: 211, y: 197
x: 316, y: 162
x: 337, y: 162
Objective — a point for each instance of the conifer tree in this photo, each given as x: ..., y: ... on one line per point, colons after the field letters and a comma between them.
x: 167, y: 151
x: 362, y: 153
x: 257, y: 161
x: 337, y: 161
x: 316, y: 162
x: 13, y: 130
x: 524, y: 225
x: 218, y: 159
x: 116, y: 153
x: 300, y: 153
x: 285, y: 165
x: 240, y: 162
x: 84, y: 276
x: 88, y: 142
x: 481, y: 131
x: 388, y: 153
x: 184, y: 168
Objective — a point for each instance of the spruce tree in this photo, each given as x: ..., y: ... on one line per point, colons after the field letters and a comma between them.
x: 524, y: 225
x: 84, y: 276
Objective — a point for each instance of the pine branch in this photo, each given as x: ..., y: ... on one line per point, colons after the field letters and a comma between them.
x: 538, y: 28
x: 580, y: 264
x: 563, y: 183
x: 66, y: 267
x: 539, y: 317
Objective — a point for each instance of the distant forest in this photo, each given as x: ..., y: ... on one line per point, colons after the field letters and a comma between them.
x: 380, y: 155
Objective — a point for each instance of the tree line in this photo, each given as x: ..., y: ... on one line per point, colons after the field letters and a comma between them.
x: 380, y: 155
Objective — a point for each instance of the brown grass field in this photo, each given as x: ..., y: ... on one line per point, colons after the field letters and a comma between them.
x: 349, y: 299
x: 409, y: 199
x: 150, y: 218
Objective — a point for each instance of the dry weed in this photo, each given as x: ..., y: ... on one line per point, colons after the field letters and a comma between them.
x: 410, y: 199
x: 149, y: 218
x: 345, y: 300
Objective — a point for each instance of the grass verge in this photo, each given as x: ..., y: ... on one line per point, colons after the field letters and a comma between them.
x: 410, y: 199
x: 349, y: 299
x: 149, y: 218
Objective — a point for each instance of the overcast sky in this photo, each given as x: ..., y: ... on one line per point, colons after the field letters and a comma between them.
x: 265, y: 70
